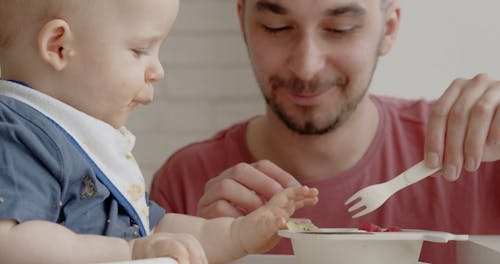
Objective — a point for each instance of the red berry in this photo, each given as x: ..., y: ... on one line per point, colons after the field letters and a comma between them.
x: 370, y: 227
x: 393, y: 229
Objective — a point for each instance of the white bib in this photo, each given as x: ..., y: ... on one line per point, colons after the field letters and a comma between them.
x: 109, y: 148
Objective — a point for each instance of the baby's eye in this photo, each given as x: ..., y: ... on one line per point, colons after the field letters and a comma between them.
x: 140, y: 52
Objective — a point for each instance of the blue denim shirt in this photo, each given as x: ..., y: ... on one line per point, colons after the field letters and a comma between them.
x: 44, y: 177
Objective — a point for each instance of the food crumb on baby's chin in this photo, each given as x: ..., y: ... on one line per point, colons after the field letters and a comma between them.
x: 301, y: 224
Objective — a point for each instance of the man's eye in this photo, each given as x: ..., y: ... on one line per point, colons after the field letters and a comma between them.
x: 274, y: 30
x: 340, y: 31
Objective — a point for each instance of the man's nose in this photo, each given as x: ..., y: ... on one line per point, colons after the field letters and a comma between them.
x: 306, y: 58
x: 155, y: 72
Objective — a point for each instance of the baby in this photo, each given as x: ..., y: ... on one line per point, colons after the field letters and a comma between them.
x: 70, y: 189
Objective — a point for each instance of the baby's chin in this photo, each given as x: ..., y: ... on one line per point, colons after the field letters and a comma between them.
x: 117, y: 123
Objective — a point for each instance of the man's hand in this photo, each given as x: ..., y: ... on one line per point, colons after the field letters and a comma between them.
x: 182, y: 247
x: 243, y: 188
x: 464, y: 126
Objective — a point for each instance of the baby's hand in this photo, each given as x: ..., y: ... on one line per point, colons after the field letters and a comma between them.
x: 182, y: 247
x: 257, y: 231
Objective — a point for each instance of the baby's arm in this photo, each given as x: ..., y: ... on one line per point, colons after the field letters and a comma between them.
x: 225, y: 239
x: 47, y: 242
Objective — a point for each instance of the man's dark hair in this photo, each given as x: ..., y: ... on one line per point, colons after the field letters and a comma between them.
x: 383, y: 3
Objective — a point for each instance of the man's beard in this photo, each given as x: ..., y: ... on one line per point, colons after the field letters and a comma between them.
x: 309, y: 126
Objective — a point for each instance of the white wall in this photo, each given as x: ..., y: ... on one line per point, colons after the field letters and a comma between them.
x: 209, y: 83
x: 440, y: 40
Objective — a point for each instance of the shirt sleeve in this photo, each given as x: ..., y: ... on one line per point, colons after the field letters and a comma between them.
x: 30, y: 185
x: 156, y: 213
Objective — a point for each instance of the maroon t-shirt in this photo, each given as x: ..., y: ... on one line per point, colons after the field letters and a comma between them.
x: 470, y: 205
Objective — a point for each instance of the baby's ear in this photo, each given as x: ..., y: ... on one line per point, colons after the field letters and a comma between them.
x: 54, y: 43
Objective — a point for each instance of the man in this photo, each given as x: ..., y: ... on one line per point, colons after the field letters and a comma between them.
x: 314, y: 61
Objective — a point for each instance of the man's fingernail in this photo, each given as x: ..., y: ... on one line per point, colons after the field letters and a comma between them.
x: 433, y: 159
x: 450, y: 172
x: 470, y: 164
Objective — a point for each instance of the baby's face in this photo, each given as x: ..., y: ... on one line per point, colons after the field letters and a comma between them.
x: 115, y: 60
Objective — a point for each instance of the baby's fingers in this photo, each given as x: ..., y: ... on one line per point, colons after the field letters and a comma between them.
x: 306, y: 202
x: 285, y: 203
x: 307, y: 194
x: 183, y: 248
x: 262, y: 225
x: 293, y: 194
x: 195, y: 252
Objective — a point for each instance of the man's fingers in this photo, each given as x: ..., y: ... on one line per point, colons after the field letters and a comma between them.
x: 272, y: 170
x: 243, y: 188
x: 480, y: 123
x: 493, y: 138
x: 458, y: 123
x: 464, y: 126
x: 436, y: 129
x: 263, y: 177
x: 219, y: 208
x: 234, y: 192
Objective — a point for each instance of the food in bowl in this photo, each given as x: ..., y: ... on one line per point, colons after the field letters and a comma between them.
x: 301, y: 224
x: 369, y: 227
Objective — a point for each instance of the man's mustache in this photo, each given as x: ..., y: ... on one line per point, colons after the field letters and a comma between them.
x: 296, y: 85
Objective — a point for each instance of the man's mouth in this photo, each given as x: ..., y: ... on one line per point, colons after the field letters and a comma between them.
x: 308, y: 98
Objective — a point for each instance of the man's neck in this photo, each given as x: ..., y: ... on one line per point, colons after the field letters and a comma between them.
x: 311, y: 158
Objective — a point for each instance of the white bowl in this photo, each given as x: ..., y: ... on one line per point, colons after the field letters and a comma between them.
x: 344, y: 245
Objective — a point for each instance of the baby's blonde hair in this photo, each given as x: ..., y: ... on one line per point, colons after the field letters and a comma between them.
x: 19, y: 15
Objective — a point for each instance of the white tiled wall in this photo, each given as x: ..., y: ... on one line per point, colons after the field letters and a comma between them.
x: 208, y: 83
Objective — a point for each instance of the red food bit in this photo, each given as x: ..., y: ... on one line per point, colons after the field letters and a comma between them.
x: 393, y: 229
x: 370, y: 228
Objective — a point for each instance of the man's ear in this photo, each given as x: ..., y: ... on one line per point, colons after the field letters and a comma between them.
x: 241, y: 16
x: 54, y: 43
x: 392, y: 21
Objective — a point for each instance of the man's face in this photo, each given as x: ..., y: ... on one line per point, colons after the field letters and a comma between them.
x: 314, y: 59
